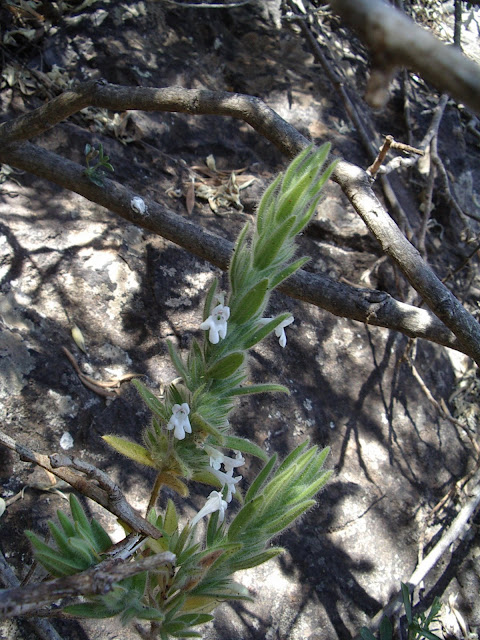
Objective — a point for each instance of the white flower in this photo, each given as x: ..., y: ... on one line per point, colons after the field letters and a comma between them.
x: 228, y: 480
x: 179, y: 421
x: 217, y: 323
x: 280, y: 330
x: 217, y: 458
x: 214, y: 502
x: 231, y: 463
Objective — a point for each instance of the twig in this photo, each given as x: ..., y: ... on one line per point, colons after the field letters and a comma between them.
x: 427, y: 201
x: 396, y: 41
x: 113, y: 500
x: 97, y: 580
x: 353, y: 180
x: 367, y: 137
x: 208, y: 5
x: 442, y: 408
x: 42, y: 628
x: 365, y: 305
x: 455, y: 531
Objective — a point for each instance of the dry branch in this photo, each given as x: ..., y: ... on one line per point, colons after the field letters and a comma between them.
x: 365, y: 305
x: 455, y: 532
x: 97, y: 580
x: 112, y: 500
x: 353, y: 180
x: 42, y: 628
x: 396, y: 41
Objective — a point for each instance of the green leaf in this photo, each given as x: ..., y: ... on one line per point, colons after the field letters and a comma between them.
x: 66, y: 524
x: 243, y: 517
x: 198, y: 421
x: 367, y: 634
x: 406, y: 602
x: 250, y: 303
x: 172, y: 481
x: 247, y: 562
x: 260, y: 479
x: 227, y: 366
x: 130, y: 450
x: 182, y: 539
x: 293, y: 455
x: 78, y: 513
x: 267, y: 205
x: 386, y: 629
x: 314, y: 487
x: 257, y: 388
x: 287, y: 271
x: 102, y: 539
x: 177, y: 361
x: 60, y: 538
x: 207, y: 309
x: 91, y: 610
x: 255, y: 336
x: 245, y: 446
x: 267, y: 249
x: 153, y: 403
x: 240, y: 261
x: 295, y: 167
x: 171, y: 518
x: 281, y: 523
x: 212, y: 528
x: 83, y: 551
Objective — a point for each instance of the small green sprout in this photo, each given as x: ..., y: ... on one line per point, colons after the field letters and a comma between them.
x: 95, y: 172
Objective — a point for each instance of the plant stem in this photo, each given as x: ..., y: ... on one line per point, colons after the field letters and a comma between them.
x: 155, y: 493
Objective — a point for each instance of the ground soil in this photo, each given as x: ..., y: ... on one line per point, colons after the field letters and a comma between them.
x: 66, y: 261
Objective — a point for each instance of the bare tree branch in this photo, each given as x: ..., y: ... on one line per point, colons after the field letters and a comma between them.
x: 365, y: 305
x: 113, y: 500
x: 441, y: 301
x: 397, y: 41
x: 97, y: 580
x: 42, y: 628
x: 455, y: 532
x: 353, y: 180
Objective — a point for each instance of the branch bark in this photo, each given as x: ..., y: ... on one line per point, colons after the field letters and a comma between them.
x: 113, y: 500
x: 397, y: 41
x: 353, y: 180
x: 365, y: 305
x: 98, y: 580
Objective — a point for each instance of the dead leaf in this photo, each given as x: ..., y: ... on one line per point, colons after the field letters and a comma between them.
x: 190, y: 197
x: 211, y: 163
x: 78, y: 338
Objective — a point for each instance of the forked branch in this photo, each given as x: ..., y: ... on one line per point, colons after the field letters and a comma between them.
x: 353, y: 180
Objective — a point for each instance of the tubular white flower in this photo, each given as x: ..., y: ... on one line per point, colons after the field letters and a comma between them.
x: 217, y: 323
x: 229, y: 481
x: 216, y: 456
x: 280, y: 330
x: 232, y: 463
x: 214, y: 502
x: 179, y: 421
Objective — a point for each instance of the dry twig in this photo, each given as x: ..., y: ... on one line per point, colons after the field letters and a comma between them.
x: 97, y: 580
x: 368, y: 306
x: 396, y: 42
x: 108, y: 496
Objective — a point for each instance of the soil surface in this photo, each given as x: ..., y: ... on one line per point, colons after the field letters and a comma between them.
x: 65, y: 261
